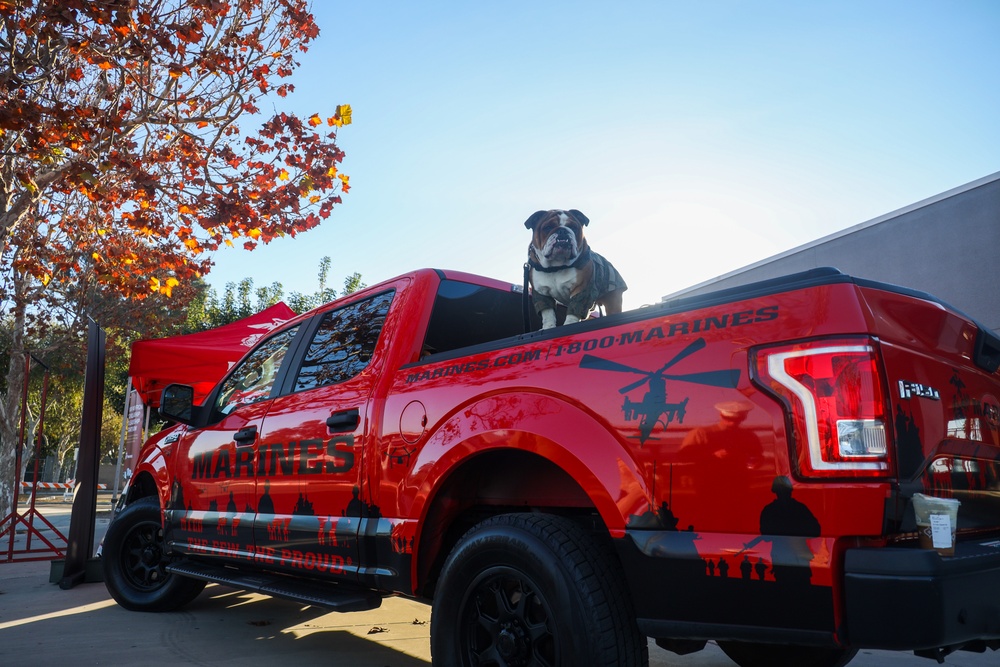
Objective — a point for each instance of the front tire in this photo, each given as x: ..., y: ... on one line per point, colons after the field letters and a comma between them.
x: 134, y: 561
x: 527, y: 590
x: 746, y: 654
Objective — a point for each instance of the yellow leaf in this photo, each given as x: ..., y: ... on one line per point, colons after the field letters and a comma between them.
x: 254, y: 233
x: 315, y: 120
x: 46, y: 278
x: 344, y: 111
x: 154, y: 285
x: 228, y: 243
x: 96, y: 257
x: 173, y: 282
x: 314, y: 199
x: 283, y: 175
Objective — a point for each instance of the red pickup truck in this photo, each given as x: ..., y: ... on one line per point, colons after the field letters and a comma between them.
x: 739, y: 467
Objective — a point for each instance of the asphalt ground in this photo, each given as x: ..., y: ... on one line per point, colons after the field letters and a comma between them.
x: 42, y: 624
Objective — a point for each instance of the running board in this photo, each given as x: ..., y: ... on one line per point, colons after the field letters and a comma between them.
x: 336, y: 597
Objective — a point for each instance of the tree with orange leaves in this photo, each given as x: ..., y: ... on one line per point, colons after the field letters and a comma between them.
x: 122, y: 157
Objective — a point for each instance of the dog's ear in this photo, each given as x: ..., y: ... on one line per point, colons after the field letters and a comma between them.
x: 584, y: 220
x: 533, y: 220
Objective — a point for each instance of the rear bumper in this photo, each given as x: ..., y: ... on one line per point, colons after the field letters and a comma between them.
x: 912, y: 599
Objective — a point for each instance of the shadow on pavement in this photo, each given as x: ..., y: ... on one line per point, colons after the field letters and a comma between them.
x: 42, y: 624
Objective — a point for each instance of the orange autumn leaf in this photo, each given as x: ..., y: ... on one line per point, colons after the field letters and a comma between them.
x: 169, y: 286
x: 315, y: 120
x: 254, y: 233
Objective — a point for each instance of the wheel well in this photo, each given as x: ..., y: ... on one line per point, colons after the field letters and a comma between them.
x: 142, y: 486
x: 494, y: 483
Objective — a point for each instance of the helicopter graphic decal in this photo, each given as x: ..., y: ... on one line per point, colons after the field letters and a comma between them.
x: 653, y: 409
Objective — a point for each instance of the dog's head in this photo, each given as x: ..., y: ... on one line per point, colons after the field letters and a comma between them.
x: 557, y: 236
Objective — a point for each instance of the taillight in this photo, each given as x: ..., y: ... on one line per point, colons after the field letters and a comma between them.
x: 836, y: 400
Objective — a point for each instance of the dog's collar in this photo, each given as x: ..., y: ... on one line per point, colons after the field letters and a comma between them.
x: 579, y: 263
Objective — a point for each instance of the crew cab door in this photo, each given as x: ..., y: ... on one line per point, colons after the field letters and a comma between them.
x: 213, y: 497
x: 309, y: 458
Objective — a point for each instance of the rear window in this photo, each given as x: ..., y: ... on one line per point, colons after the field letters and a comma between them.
x: 465, y: 314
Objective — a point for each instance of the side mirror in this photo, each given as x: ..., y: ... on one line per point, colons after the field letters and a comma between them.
x: 177, y: 403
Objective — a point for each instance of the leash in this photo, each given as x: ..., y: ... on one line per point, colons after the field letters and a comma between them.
x: 526, y: 298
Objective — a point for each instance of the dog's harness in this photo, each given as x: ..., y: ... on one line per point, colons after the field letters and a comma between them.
x: 532, y: 263
x: 606, y: 278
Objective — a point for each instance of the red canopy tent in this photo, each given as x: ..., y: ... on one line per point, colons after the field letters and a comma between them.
x: 198, y: 359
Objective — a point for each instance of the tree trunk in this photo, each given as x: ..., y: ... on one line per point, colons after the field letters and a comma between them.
x: 10, y: 416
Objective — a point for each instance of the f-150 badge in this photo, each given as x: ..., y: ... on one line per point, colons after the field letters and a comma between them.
x: 910, y: 389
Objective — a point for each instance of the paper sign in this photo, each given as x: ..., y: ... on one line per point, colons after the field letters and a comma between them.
x: 941, y: 531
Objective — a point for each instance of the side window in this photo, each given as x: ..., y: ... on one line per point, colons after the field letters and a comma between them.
x: 253, y: 379
x: 344, y: 343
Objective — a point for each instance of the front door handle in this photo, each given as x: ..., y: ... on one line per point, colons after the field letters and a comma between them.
x: 344, y: 421
x: 245, y: 436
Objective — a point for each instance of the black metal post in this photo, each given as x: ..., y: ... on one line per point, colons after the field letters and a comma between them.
x: 83, y: 518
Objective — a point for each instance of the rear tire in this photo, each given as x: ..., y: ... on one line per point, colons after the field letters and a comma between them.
x: 134, y: 561
x: 746, y: 654
x: 531, y: 590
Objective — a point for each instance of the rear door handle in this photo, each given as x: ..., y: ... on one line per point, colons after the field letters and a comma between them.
x: 344, y: 421
x: 245, y: 436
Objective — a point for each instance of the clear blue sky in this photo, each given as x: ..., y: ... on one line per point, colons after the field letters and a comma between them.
x: 698, y: 137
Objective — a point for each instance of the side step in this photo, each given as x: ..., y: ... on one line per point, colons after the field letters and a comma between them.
x: 336, y: 597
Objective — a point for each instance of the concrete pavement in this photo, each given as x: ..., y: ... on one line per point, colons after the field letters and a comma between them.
x: 41, y: 624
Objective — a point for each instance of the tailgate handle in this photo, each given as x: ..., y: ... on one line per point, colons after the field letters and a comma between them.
x: 341, y: 422
x: 245, y: 436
